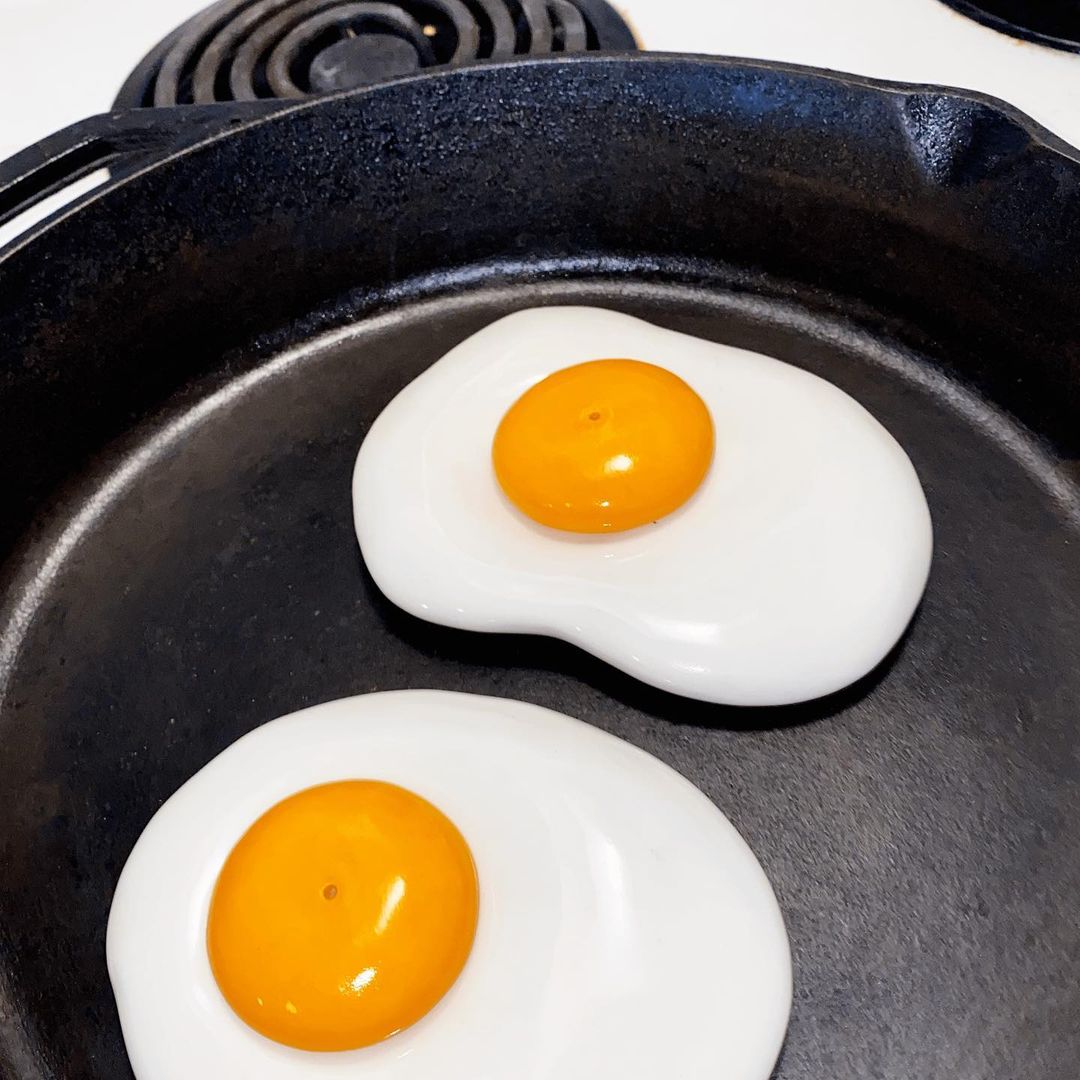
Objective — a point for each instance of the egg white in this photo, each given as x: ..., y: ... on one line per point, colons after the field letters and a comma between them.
x: 626, y: 930
x: 791, y: 572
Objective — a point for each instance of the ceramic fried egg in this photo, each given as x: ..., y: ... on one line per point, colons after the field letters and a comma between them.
x: 417, y: 884
x: 712, y: 521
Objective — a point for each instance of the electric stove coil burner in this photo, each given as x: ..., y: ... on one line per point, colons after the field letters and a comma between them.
x: 242, y: 50
x: 1049, y: 22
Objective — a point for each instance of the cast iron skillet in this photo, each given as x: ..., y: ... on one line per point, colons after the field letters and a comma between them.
x: 191, y: 359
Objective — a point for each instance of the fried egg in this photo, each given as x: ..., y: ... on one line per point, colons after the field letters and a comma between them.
x: 418, y: 883
x: 714, y: 522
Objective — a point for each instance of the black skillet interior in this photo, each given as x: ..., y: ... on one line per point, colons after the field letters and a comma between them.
x: 180, y: 565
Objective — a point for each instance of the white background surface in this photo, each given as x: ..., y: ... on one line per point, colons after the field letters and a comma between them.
x: 61, y: 60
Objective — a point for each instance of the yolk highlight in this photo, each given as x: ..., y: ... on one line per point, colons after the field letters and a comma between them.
x: 603, y: 446
x: 342, y: 916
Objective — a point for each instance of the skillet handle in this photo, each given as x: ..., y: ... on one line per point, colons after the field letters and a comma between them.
x: 120, y: 142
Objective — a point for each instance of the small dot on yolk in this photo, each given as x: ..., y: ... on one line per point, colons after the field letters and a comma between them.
x: 342, y: 915
x: 603, y: 446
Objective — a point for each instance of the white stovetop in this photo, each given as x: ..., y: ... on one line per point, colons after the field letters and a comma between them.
x: 62, y: 60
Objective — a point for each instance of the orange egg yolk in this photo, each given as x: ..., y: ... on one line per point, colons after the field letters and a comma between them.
x: 603, y: 446
x: 342, y: 915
